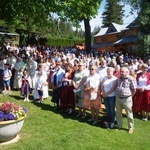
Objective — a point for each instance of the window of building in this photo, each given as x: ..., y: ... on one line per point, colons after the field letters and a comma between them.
x: 133, y: 47
x: 119, y: 37
x: 104, y: 39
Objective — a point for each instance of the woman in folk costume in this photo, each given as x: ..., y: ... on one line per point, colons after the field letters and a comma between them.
x: 56, y: 81
x: 67, y: 98
x: 52, y: 68
x: 141, y: 101
x: 26, y: 85
x: 45, y: 86
x: 19, y: 67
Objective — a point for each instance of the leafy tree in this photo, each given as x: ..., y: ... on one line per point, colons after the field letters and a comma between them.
x: 143, y: 20
x: 144, y: 17
x: 113, y: 12
x: 2, y: 23
x: 144, y: 44
x: 77, y: 11
x: 144, y: 24
x: 29, y: 15
x: 32, y: 18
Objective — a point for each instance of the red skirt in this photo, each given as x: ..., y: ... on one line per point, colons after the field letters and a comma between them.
x: 67, y: 98
x: 146, y: 101
x: 141, y: 101
x: 49, y: 79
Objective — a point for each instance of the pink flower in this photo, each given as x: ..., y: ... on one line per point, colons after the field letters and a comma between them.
x: 11, y: 109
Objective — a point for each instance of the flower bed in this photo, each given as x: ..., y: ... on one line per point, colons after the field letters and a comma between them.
x: 11, y: 111
x: 11, y: 120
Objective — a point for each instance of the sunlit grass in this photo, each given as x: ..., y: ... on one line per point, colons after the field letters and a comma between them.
x: 46, y: 129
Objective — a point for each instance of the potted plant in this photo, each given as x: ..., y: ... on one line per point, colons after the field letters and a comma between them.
x: 11, y: 120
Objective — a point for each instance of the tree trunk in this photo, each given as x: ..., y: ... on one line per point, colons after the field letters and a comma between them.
x: 87, y: 35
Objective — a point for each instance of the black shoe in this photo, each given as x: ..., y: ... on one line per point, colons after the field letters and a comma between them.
x: 106, y: 125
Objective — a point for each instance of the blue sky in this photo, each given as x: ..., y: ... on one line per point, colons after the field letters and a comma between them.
x: 97, y: 21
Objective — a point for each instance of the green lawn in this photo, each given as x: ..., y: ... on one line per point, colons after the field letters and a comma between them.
x: 46, y: 129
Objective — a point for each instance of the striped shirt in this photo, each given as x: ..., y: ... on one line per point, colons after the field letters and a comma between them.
x: 125, y: 86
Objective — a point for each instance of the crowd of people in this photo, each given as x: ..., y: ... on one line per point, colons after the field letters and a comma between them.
x: 80, y: 81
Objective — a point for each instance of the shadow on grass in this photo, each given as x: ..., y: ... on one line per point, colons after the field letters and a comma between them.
x: 73, y: 116
x: 138, y: 116
x: 43, y: 106
x: 49, y: 107
x: 17, y: 97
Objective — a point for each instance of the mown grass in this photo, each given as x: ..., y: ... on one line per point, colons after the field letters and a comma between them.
x: 46, y: 129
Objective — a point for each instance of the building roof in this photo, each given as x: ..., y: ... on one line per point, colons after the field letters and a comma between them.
x: 119, y: 27
x: 101, y: 32
x: 127, y: 39
x: 2, y: 33
x: 113, y: 28
x: 133, y: 24
x: 12, y: 34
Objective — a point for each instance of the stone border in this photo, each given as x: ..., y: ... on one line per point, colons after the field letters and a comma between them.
x: 14, y: 140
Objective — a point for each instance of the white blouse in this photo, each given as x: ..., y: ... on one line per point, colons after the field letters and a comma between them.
x: 142, y: 83
x: 108, y: 84
x: 94, y: 81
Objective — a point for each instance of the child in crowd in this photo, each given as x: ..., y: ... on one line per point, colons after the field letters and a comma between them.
x: 6, y: 79
x: 39, y: 86
x: 26, y: 88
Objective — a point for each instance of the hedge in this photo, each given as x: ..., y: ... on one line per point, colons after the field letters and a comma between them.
x: 63, y: 41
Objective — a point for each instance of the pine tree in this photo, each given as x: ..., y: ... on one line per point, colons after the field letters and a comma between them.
x: 144, y: 23
x: 113, y: 13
